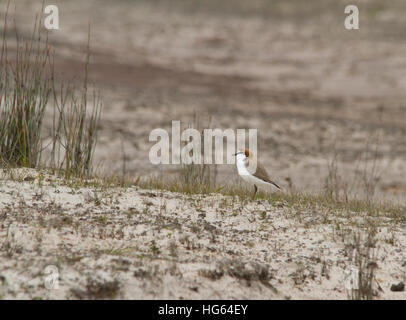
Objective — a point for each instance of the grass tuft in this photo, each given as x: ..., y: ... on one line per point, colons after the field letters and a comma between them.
x: 27, y: 89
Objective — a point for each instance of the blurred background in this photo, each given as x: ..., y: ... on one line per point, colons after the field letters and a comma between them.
x: 328, y: 103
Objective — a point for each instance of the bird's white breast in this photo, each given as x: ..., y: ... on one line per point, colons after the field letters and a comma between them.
x: 242, y: 170
x: 241, y: 167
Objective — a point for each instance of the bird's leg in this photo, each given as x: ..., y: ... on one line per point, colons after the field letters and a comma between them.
x: 255, y: 191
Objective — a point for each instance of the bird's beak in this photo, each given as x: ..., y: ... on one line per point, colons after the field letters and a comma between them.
x: 235, y: 154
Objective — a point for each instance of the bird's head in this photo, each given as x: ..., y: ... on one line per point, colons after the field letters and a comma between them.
x: 244, y: 152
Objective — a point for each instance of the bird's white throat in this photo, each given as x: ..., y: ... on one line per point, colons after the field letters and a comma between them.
x: 241, y: 165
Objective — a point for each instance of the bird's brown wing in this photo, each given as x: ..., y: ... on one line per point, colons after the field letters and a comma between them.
x: 260, y: 172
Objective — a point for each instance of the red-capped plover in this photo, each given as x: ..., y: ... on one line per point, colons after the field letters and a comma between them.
x: 251, y: 170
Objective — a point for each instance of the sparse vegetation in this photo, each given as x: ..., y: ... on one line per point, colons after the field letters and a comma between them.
x: 362, y: 253
x: 27, y: 90
x: 293, y: 200
x: 198, y: 177
x: 179, y: 230
x: 193, y: 234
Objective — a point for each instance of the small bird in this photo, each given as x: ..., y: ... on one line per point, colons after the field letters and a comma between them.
x: 255, y: 173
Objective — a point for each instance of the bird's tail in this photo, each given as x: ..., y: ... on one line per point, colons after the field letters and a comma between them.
x: 275, y: 185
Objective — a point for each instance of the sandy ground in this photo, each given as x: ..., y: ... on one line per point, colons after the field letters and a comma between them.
x: 315, y: 91
x: 147, y: 244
